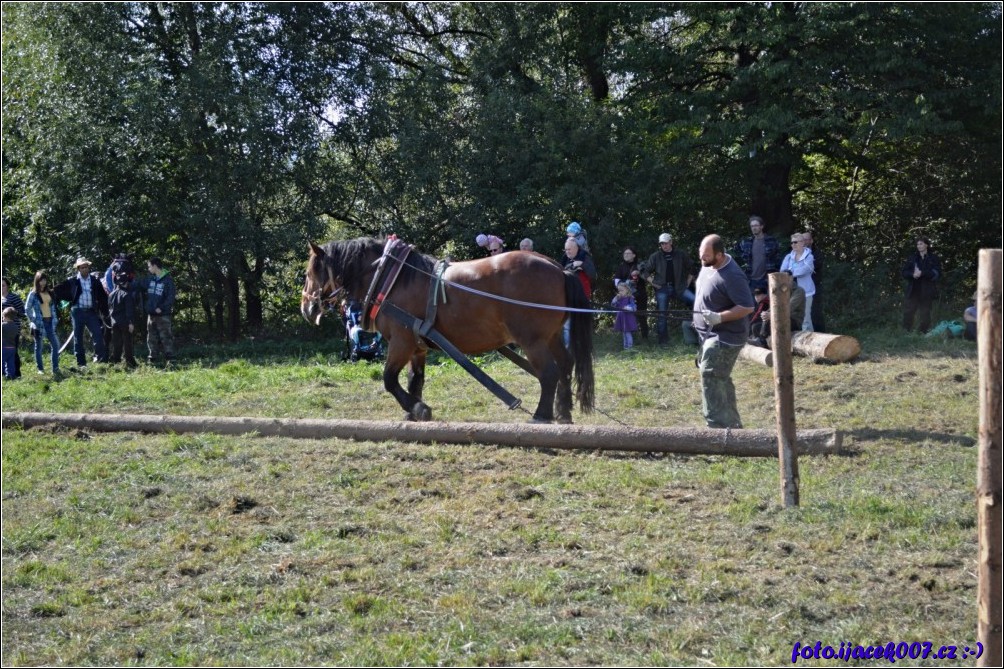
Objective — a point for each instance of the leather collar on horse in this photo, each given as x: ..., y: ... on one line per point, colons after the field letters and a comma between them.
x: 397, y: 251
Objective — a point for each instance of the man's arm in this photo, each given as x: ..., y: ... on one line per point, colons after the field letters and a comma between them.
x: 735, y: 313
x: 169, y: 293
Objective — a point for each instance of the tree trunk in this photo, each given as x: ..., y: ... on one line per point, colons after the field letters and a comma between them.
x: 253, y: 306
x: 233, y: 296
x: 772, y: 196
x: 217, y: 282
x: 218, y: 313
x: 703, y: 441
x: 254, y: 312
x: 207, y: 311
x: 594, y: 32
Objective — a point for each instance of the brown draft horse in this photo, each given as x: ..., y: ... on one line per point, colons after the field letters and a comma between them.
x: 473, y: 323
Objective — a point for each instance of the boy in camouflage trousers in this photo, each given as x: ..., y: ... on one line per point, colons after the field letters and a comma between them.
x: 159, y: 306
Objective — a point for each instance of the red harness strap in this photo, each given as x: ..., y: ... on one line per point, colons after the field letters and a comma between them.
x: 397, y: 251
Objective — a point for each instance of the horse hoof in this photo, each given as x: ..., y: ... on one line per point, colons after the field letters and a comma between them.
x: 421, y: 412
x: 540, y: 421
x: 563, y: 420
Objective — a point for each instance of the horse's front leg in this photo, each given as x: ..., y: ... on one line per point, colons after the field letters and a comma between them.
x: 416, y: 373
x: 398, y: 355
x: 416, y: 382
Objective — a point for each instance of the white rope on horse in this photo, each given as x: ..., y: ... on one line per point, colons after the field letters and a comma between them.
x: 509, y: 300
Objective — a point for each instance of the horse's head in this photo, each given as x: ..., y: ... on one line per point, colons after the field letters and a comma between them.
x: 336, y: 270
x: 322, y: 287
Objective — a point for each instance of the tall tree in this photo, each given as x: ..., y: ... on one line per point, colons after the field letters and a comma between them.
x: 182, y: 129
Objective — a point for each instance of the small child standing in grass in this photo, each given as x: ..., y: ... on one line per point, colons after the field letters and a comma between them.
x: 11, y: 330
x: 626, y: 321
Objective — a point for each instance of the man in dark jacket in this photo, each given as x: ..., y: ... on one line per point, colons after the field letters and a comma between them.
x: 922, y: 272
x: 122, y: 312
x: 159, y: 307
x: 580, y: 262
x: 88, y: 309
x: 670, y: 273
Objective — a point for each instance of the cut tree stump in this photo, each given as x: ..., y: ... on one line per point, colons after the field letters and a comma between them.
x: 764, y: 356
x: 816, y: 345
x: 832, y: 347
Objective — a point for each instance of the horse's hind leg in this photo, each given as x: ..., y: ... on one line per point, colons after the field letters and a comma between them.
x: 563, y: 392
x: 397, y: 357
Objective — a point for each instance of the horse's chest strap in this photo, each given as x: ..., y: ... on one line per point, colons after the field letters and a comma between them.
x: 397, y: 251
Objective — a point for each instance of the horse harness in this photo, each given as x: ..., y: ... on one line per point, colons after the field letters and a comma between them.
x: 386, y: 276
x: 425, y: 335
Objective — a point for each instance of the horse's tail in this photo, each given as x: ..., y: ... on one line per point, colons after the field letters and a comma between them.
x: 581, y: 342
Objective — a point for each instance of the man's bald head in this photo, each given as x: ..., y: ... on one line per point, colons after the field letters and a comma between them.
x: 712, y: 251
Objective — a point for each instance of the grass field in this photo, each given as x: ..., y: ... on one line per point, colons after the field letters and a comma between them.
x: 133, y: 549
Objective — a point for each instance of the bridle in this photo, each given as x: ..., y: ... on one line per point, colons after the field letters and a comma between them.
x: 332, y: 286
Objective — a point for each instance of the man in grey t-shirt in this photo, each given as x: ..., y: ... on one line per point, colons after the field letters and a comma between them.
x: 721, y: 317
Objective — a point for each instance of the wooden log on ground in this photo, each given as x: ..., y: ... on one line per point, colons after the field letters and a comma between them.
x: 764, y: 356
x: 988, y: 476
x: 832, y: 347
x: 694, y: 441
x: 835, y: 348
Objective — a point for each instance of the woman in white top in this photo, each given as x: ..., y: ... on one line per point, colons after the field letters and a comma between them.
x: 800, y: 265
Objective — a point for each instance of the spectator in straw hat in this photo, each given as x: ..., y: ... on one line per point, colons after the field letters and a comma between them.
x: 88, y: 309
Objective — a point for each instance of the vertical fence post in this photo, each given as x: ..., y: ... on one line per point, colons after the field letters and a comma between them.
x: 784, y: 385
x: 988, y: 487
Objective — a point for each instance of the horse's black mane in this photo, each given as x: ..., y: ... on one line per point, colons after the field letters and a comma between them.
x: 353, y: 260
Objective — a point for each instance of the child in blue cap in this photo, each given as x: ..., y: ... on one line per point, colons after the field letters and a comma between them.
x: 575, y: 231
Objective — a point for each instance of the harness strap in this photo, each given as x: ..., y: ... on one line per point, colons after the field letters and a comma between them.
x: 398, y: 251
x: 436, y: 289
x: 459, y: 357
x: 515, y: 357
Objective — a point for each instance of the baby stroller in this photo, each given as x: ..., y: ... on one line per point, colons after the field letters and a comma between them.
x: 359, y: 344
